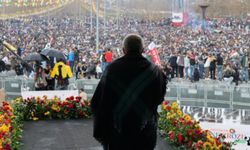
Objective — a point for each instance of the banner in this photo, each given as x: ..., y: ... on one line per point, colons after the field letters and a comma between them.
x: 232, y: 131
x: 177, y: 17
x: 154, y: 53
x: 232, y: 123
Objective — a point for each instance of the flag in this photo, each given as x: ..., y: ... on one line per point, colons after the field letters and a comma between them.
x: 233, y: 54
x: 154, y: 53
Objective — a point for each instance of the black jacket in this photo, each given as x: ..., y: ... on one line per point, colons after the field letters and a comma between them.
x: 219, y: 60
x: 126, y: 100
x: 173, y: 60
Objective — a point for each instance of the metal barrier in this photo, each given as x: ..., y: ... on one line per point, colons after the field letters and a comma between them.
x: 200, y: 94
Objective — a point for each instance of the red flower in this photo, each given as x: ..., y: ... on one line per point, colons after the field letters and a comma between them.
x: 168, y: 108
x: 59, y: 103
x: 198, y: 132
x: 65, y: 103
x: 7, y: 147
x: 78, y: 97
x: 189, y: 123
x: 199, y: 145
x: 171, y: 135
x: 71, y: 106
x: 175, y: 123
x: 180, y: 138
x: 77, y: 100
x: 190, y: 132
x: 71, y: 98
x: 166, y: 102
x: 190, y: 143
x: 82, y: 114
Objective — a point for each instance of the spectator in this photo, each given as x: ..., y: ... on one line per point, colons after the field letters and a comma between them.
x: 174, y: 66
x: 245, y: 67
x: 219, y: 66
x: 40, y: 79
x: 108, y: 56
x: 186, y: 65
x: 83, y: 95
x: 72, y: 59
x: 180, y: 62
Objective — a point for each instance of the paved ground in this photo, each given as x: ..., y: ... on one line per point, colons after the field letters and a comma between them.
x: 64, y: 135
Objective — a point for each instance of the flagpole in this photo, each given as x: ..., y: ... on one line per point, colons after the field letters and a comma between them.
x: 97, y: 25
x: 104, y: 14
x: 91, y: 17
x: 117, y: 15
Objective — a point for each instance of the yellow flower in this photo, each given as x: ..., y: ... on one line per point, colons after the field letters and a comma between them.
x: 174, y: 105
x: 207, y: 146
x: 164, y: 106
x: 56, y: 98
x: 4, y: 128
x: 197, y: 126
x: 35, y: 118
x: 1, y: 117
x: 1, y: 143
x: 32, y: 114
x: 38, y: 98
x: 187, y: 117
x: 179, y: 112
x: 55, y: 108
x: 220, y: 147
x: 214, y: 148
x: 47, y: 113
x: 18, y: 101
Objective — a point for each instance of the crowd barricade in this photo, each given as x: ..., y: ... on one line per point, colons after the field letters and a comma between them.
x: 12, y: 88
x: 218, y: 96
x: 1, y: 83
x: 241, y: 97
x: 89, y: 86
x: 199, y: 94
x: 172, y: 92
x: 192, y: 94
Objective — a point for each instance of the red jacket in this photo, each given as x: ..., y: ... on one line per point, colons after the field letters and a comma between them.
x: 108, y: 56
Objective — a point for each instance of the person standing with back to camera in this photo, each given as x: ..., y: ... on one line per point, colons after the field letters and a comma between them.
x: 125, y: 102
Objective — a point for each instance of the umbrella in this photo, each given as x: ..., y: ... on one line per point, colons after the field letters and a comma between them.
x: 35, y: 57
x: 53, y: 53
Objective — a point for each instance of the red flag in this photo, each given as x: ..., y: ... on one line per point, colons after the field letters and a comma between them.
x: 154, y: 53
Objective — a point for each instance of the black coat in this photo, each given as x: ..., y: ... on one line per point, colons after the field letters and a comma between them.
x: 172, y: 61
x: 119, y: 119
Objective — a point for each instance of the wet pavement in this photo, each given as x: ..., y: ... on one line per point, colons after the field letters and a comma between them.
x: 65, y: 135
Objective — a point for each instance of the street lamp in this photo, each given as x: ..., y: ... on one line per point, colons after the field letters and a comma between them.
x: 203, y: 8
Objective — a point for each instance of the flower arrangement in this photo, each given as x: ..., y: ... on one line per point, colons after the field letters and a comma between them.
x: 12, y: 115
x: 10, y: 128
x: 44, y: 108
x: 183, y: 132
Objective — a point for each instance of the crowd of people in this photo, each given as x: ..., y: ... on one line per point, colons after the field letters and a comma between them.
x: 219, y: 52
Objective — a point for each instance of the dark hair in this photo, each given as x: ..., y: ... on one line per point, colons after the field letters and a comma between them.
x: 81, y: 89
x: 133, y: 43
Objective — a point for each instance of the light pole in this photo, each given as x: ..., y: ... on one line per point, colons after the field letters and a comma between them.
x: 91, y: 17
x: 97, y: 25
x: 117, y: 13
x: 104, y: 14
